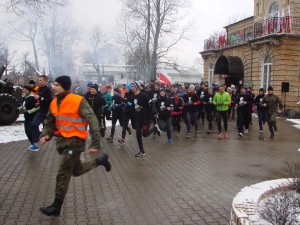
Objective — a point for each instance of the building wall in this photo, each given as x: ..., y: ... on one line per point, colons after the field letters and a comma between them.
x: 285, y: 60
x: 285, y: 57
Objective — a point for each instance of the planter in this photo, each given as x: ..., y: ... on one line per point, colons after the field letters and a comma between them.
x: 244, y: 204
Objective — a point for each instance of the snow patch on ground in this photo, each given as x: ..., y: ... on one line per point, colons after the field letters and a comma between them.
x: 15, y: 131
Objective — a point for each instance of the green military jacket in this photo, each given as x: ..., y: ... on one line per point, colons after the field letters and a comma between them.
x: 272, y: 103
x: 74, y: 143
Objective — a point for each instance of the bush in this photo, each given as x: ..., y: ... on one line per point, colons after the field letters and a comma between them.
x: 280, y: 207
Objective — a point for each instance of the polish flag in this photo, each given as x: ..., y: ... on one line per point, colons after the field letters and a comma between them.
x: 164, y: 79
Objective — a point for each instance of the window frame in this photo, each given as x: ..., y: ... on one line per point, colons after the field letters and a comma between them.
x: 266, y: 74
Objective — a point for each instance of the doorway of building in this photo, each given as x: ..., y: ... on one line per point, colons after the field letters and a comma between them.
x: 233, y: 68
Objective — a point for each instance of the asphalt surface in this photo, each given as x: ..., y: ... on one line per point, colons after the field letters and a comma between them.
x: 191, y: 181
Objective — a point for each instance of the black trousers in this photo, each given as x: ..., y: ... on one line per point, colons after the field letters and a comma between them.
x: 222, y: 115
x: 142, y: 130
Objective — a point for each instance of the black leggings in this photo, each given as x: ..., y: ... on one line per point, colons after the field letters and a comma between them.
x: 142, y: 130
x: 222, y: 114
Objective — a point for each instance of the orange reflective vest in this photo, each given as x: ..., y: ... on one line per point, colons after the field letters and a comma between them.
x: 35, y: 89
x: 68, y: 121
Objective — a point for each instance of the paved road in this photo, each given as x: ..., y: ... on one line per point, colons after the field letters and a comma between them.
x: 189, y: 182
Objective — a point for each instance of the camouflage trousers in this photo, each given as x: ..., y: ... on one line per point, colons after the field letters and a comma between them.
x: 70, y: 165
x: 271, y: 120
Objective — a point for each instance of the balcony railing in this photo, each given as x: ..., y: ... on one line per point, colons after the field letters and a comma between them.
x: 275, y: 25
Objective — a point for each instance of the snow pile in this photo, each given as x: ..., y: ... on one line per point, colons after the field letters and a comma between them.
x: 16, y: 132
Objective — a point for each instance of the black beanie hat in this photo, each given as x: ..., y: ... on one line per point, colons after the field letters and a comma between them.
x: 95, y: 86
x: 116, y: 90
x: 270, y: 88
x: 31, y: 82
x: 64, y: 81
x: 27, y: 87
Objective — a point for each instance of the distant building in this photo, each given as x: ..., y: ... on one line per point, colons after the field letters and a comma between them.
x: 123, y: 74
x: 259, y: 51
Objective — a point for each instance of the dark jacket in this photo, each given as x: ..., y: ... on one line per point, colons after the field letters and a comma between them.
x: 162, y: 104
x: 142, y: 109
x: 29, y: 107
x: 208, y: 102
x: 193, y: 102
x: 96, y: 102
x: 243, y: 101
x: 45, y: 99
x: 257, y: 101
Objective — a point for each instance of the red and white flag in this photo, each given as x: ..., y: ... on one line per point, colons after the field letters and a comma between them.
x: 164, y: 78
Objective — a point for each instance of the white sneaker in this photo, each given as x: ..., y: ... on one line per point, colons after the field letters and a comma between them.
x: 246, y: 131
x: 240, y: 134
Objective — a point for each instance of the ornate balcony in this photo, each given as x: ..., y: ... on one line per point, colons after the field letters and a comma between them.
x: 275, y: 25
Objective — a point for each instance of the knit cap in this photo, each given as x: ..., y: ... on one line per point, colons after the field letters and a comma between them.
x: 64, y: 81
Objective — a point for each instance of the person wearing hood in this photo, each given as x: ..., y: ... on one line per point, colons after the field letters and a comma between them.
x: 192, y: 109
x: 29, y: 109
x: 164, y: 119
x: 68, y: 119
x: 272, y: 102
x: 97, y: 103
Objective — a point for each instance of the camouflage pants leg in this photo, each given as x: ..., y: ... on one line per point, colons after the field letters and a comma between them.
x: 271, y: 120
x: 70, y: 165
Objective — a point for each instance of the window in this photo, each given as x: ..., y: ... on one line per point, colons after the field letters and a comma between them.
x: 274, y: 10
x: 267, y: 69
x: 210, y: 74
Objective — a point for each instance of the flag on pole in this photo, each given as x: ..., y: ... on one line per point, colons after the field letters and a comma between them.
x: 164, y: 78
x: 289, y: 21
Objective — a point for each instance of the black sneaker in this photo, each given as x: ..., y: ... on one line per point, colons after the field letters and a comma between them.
x: 102, y: 132
x: 275, y: 128
x: 103, y: 160
x: 140, y: 154
x: 208, y: 131
x: 110, y: 139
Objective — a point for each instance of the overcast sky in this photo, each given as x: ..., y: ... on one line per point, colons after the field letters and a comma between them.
x: 209, y: 16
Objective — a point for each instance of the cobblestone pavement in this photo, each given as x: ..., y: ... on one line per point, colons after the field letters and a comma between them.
x: 192, y: 181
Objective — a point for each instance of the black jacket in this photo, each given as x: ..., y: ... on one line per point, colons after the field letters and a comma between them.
x: 45, y: 99
x: 97, y: 102
x: 161, y: 104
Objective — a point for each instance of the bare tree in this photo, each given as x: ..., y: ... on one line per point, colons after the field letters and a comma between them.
x: 25, y: 28
x: 100, y: 52
x: 59, y: 35
x: 18, y: 6
x: 6, y: 57
x: 151, y: 29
